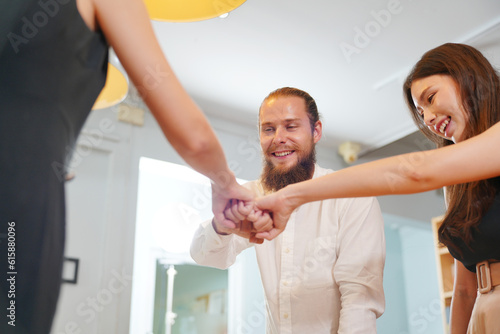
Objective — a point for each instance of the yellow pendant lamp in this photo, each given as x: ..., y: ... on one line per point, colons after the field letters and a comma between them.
x: 115, y: 89
x: 189, y: 10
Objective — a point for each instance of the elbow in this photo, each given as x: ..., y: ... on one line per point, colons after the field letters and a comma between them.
x: 415, y: 176
x: 420, y: 181
x: 206, y: 258
x: 464, y: 291
x: 198, y: 257
x: 419, y: 172
x: 197, y: 146
x: 203, y: 141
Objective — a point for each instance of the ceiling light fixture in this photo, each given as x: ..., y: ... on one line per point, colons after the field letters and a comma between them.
x: 189, y: 10
x: 349, y: 151
x: 116, y: 87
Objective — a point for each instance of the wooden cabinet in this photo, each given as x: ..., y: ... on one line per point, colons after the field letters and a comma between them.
x: 446, y: 271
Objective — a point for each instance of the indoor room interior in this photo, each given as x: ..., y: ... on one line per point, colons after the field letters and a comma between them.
x: 133, y: 204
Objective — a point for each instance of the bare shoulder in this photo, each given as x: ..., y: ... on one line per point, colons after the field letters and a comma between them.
x: 114, y: 16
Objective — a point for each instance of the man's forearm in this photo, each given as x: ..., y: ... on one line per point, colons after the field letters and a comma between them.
x: 209, y: 248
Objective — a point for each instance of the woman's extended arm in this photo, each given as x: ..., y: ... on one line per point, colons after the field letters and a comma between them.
x: 470, y: 160
x: 128, y: 29
x: 464, y: 297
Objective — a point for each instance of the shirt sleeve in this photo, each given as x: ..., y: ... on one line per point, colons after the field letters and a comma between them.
x: 211, y: 249
x: 359, y: 268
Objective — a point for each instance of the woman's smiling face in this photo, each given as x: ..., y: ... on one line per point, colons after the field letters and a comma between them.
x: 438, y: 101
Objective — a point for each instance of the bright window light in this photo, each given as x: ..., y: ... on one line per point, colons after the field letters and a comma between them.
x: 172, y: 201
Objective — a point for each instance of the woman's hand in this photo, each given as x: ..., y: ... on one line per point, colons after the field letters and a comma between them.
x: 236, y: 222
x: 222, y: 194
x: 280, y: 208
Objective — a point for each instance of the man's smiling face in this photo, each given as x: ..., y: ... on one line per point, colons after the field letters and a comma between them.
x: 287, y: 141
x: 285, y: 131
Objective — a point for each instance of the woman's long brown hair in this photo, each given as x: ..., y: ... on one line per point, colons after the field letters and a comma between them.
x: 479, y: 89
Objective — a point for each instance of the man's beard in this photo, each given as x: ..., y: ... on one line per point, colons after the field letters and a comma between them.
x: 274, y: 179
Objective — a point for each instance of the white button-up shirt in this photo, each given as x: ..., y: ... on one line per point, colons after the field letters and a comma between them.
x: 323, y: 274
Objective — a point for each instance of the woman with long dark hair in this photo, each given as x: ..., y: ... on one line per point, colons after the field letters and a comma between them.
x: 453, y: 94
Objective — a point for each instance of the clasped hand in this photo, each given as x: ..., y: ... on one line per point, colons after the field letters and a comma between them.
x: 244, y: 219
x: 237, y: 211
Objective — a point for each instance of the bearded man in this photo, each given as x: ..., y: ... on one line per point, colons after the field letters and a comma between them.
x: 323, y: 273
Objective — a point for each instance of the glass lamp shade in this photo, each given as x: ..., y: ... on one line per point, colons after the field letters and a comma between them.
x: 114, y: 91
x: 189, y: 10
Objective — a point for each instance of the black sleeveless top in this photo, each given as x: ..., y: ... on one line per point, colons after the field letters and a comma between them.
x: 486, y: 243
x: 52, y: 68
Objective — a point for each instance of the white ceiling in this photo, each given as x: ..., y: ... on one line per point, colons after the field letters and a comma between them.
x: 229, y: 65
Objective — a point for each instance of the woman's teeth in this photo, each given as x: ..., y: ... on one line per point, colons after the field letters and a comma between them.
x: 443, y: 126
x: 282, y: 154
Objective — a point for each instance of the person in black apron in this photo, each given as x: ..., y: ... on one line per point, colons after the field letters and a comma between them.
x: 53, y: 65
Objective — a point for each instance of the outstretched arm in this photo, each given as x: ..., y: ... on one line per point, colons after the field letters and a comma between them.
x: 470, y: 160
x: 128, y: 29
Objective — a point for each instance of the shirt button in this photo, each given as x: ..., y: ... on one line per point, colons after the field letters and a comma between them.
x: 287, y: 250
x: 285, y: 283
x: 285, y: 315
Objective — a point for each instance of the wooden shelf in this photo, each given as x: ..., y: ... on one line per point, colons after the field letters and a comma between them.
x: 446, y: 271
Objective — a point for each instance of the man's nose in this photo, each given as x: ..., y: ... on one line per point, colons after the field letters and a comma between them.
x: 279, y: 136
